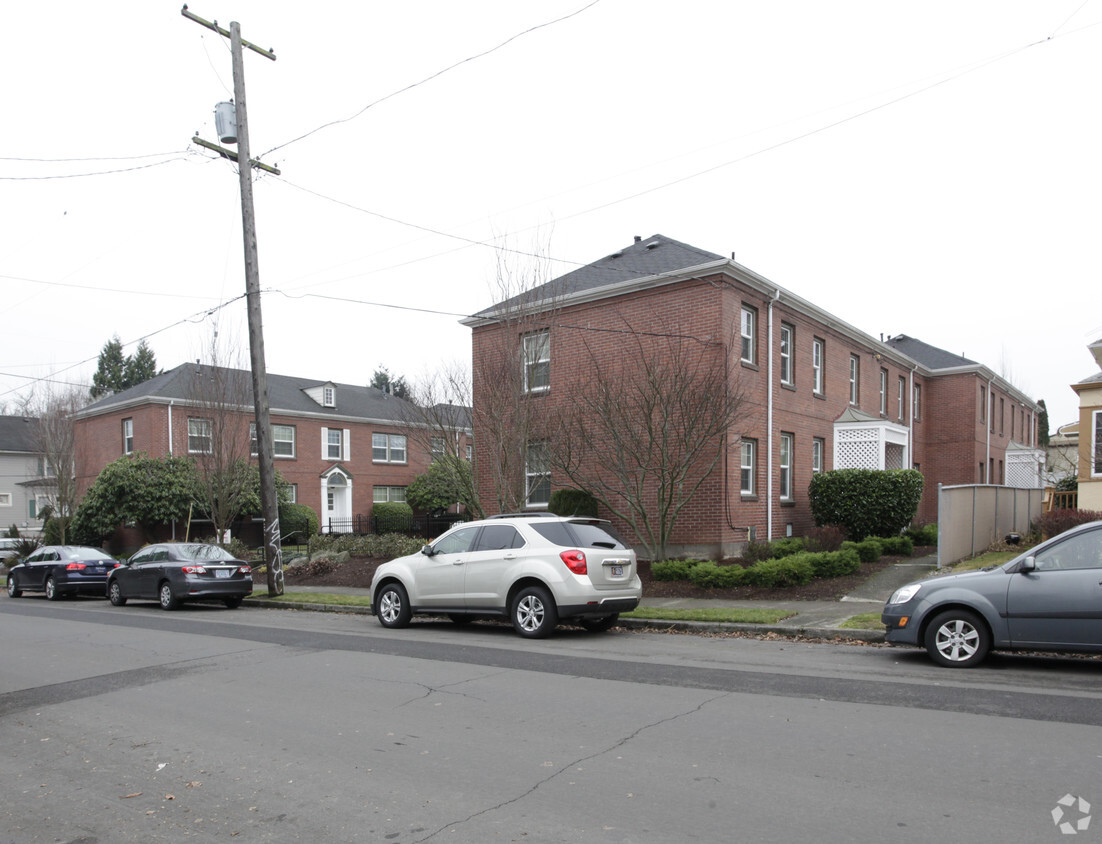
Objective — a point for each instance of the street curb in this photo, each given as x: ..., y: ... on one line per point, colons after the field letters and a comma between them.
x: 660, y: 625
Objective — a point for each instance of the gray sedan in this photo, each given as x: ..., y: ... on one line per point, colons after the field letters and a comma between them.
x: 175, y: 572
x: 1047, y: 599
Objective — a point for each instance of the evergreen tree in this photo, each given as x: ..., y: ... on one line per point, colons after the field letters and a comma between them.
x: 383, y: 380
x: 111, y: 370
x: 117, y: 372
x: 141, y: 366
x: 1042, y: 424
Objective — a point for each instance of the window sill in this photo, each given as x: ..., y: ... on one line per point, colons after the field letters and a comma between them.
x: 785, y: 386
x: 787, y: 502
x: 747, y: 364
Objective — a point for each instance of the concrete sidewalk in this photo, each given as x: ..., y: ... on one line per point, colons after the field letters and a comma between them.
x: 811, y: 619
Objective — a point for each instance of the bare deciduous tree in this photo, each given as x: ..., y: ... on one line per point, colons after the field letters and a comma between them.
x: 55, y: 443
x: 643, y: 435
x: 222, y: 398
x: 439, y: 418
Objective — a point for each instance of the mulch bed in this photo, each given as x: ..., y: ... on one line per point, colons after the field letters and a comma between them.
x: 358, y: 571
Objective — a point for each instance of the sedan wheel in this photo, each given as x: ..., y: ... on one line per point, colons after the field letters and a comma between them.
x: 393, y: 606
x: 51, y: 590
x: 168, y: 600
x: 114, y: 593
x: 534, y: 613
x: 13, y: 590
x: 957, y: 639
x: 232, y: 603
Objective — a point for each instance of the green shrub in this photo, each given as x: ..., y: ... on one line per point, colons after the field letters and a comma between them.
x: 392, y: 517
x: 866, y: 502
x: 756, y: 551
x: 51, y: 531
x: 787, y: 547
x: 387, y: 546
x: 572, y: 502
x: 672, y: 569
x: 828, y: 564
x: 297, y: 523
x: 788, y: 571
x: 708, y: 575
x: 868, y: 551
x: 924, y: 535
x: 900, y: 546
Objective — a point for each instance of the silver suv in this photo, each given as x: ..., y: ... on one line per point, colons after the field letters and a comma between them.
x: 535, y: 570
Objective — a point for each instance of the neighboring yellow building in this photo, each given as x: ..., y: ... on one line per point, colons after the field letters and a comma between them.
x: 1089, y: 391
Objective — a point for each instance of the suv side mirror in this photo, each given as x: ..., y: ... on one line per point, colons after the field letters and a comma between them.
x: 427, y: 550
x: 1027, y: 565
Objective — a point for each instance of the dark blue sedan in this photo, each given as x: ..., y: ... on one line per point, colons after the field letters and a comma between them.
x: 61, y: 570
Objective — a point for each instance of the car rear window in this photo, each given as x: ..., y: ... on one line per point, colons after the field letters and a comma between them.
x: 579, y: 534
x: 204, y: 552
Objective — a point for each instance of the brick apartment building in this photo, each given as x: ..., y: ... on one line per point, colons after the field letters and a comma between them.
x: 818, y: 394
x: 341, y: 447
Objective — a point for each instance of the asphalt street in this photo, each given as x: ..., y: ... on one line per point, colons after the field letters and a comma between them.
x: 133, y: 724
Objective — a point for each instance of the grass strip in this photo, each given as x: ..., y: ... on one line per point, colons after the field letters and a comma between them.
x: 864, y: 621
x: 315, y: 598
x: 731, y: 615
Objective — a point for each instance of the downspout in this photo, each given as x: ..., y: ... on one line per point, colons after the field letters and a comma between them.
x: 911, y: 419
x: 769, y: 424
x: 989, y: 412
x: 170, y: 454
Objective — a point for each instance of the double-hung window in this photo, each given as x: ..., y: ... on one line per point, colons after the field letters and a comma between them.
x: 537, y: 362
x: 383, y: 494
x: 1096, y: 444
x: 818, y: 446
x: 388, y: 448
x: 748, y: 323
x: 537, y: 471
x: 283, y: 440
x: 854, y: 379
x: 916, y: 403
x: 883, y: 392
x: 199, y: 436
x: 787, y: 335
x: 127, y: 436
x: 786, y: 467
x: 436, y: 447
x: 748, y: 454
x: 902, y: 397
x: 817, y: 346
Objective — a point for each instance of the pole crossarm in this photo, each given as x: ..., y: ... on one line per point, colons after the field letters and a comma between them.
x: 214, y: 27
x: 232, y: 156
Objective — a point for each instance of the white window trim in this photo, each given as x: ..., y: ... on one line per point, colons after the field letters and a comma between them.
x: 390, y: 449
x: 854, y: 380
x: 748, y: 448
x: 209, y: 436
x: 883, y: 392
x: 748, y: 319
x: 344, y: 445
x: 529, y: 360
x: 784, y: 464
x: 818, y: 446
x: 128, y: 436
x: 534, y: 477
x: 6, y: 499
x: 818, y: 348
x: 787, y: 336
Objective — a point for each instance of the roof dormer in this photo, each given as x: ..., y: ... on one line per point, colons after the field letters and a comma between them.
x: 324, y: 394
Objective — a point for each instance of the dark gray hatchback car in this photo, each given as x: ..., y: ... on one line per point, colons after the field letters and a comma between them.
x: 1047, y: 599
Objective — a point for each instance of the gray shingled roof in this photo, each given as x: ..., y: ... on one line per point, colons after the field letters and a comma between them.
x: 17, y: 433
x: 929, y: 356
x: 286, y: 394
x: 647, y: 256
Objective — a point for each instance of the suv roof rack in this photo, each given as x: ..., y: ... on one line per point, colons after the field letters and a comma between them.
x: 540, y: 514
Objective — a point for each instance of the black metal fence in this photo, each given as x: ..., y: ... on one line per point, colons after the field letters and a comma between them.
x: 424, y: 526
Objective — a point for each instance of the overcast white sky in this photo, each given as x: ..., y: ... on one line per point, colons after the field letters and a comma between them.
x: 930, y: 169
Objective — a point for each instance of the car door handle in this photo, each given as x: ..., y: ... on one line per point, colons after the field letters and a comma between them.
x: 458, y: 562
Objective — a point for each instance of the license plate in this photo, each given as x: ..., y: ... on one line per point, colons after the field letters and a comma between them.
x: 617, y: 571
x: 221, y: 573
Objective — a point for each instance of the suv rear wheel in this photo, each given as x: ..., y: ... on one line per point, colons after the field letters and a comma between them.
x: 534, y: 613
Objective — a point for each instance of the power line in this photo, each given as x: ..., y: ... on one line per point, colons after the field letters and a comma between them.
x: 429, y: 78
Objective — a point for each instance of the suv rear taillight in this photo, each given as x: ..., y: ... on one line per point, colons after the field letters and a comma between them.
x: 575, y: 561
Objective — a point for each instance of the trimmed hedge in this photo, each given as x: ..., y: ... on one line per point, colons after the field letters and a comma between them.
x: 794, y: 570
x: 924, y: 535
x: 708, y: 575
x: 786, y: 547
x: 392, y: 516
x: 672, y: 569
x: 866, y: 502
x: 900, y: 546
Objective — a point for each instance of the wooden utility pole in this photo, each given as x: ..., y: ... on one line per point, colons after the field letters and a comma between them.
x: 269, y: 500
